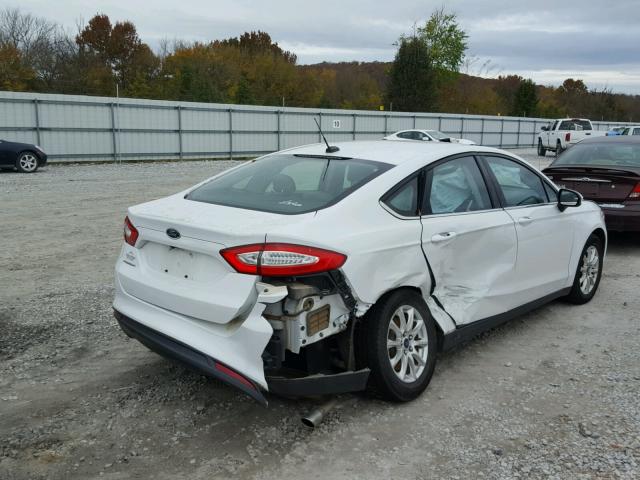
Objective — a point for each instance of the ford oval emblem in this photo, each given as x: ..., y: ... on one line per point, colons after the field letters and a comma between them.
x: 173, y: 233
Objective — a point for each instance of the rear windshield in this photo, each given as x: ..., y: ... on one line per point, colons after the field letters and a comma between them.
x: 623, y: 154
x: 289, y: 184
x: 575, y: 125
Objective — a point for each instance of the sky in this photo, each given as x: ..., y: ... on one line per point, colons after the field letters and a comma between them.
x: 546, y: 40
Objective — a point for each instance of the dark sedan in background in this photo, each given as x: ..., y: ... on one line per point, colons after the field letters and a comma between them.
x: 607, y: 171
x: 25, y: 157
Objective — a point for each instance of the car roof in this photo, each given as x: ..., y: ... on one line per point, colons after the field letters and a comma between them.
x: 390, y: 151
x: 625, y: 139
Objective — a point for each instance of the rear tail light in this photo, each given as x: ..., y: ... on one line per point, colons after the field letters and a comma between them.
x: 567, y: 137
x: 281, y: 259
x: 635, y: 193
x: 130, y: 232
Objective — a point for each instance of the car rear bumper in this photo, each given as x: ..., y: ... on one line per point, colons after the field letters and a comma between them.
x: 230, y: 353
x: 172, y: 348
x: 625, y: 218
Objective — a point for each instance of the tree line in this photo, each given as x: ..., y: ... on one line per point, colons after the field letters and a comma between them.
x: 431, y: 72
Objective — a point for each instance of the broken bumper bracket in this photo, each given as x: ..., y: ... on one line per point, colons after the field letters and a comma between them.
x: 317, y: 385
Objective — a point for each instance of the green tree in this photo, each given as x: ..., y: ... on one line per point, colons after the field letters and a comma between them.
x: 525, y: 102
x: 445, y: 40
x: 412, y: 77
x: 435, y: 53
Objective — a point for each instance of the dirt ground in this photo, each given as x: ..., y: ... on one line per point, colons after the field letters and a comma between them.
x: 551, y: 395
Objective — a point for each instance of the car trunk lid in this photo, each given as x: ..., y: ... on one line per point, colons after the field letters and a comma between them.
x: 606, y: 184
x: 178, y: 262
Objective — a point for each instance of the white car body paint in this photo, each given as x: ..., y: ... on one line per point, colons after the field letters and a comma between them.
x: 491, y: 265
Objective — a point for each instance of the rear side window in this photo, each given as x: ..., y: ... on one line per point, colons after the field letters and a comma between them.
x: 519, y: 185
x: 636, y: 131
x: 289, y: 184
x: 456, y: 186
x: 405, y: 199
x: 575, y: 125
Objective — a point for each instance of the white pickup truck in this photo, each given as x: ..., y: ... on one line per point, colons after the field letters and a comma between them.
x: 563, y: 133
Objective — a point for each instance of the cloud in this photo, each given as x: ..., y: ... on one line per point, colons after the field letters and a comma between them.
x: 544, y: 40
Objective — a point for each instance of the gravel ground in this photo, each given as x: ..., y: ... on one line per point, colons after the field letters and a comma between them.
x: 551, y: 395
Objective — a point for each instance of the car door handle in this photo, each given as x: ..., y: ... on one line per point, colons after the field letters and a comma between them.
x: 443, y: 237
x: 525, y: 220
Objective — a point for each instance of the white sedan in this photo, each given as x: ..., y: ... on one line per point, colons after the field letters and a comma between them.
x: 426, y: 136
x: 316, y: 271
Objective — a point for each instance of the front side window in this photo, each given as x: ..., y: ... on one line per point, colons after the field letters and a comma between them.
x: 456, y: 186
x: 289, y: 184
x: 519, y: 185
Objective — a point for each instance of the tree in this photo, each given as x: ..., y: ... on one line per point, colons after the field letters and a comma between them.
x: 445, y: 41
x: 14, y: 75
x: 412, y: 77
x: 435, y: 52
x: 118, y: 48
x: 525, y: 102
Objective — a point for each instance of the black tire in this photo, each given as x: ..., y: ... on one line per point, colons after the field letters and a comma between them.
x: 25, y: 160
x: 558, y: 148
x: 578, y: 296
x: 384, y: 382
x: 541, y: 150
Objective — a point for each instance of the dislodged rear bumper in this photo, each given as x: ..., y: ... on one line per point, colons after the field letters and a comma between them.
x: 312, y: 385
x: 171, y: 348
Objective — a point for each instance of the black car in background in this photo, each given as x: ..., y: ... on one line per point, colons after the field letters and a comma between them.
x: 607, y: 171
x: 25, y: 157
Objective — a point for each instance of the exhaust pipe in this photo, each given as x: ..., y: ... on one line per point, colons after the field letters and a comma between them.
x: 315, y: 417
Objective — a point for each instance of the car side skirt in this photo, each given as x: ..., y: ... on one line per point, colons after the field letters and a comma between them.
x: 465, y: 333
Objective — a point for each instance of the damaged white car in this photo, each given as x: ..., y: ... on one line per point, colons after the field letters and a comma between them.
x: 321, y: 270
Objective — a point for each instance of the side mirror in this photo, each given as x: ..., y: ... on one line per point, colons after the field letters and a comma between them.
x: 568, y: 198
x: 446, y: 139
x: 545, y: 128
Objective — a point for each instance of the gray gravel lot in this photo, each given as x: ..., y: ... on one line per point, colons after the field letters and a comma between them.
x: 551, y: 395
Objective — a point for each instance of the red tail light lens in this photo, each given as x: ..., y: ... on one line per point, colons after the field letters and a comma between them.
x: 567, y: 137
x: 130, y: 232
x: 281, y: 259
x: 635, y: 193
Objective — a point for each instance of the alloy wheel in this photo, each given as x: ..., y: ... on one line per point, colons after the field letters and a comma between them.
x: 589, y: 270
x: 407, y: 343
x: 28, y: 162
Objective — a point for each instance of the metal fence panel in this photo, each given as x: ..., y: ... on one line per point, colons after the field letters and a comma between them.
x: 71, y: 127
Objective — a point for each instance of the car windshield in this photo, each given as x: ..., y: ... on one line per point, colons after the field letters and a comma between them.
x: 624, y: 154
x: 289, y: 184
x: 437, y: 135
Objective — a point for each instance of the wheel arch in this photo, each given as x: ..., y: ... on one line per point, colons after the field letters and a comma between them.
x: 440, y: 329
x: 602, y: 235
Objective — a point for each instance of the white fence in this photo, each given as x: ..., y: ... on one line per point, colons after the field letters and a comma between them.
x: 80, y: 128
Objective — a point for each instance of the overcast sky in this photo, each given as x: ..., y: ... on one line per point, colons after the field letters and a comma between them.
x: 542, y: 39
